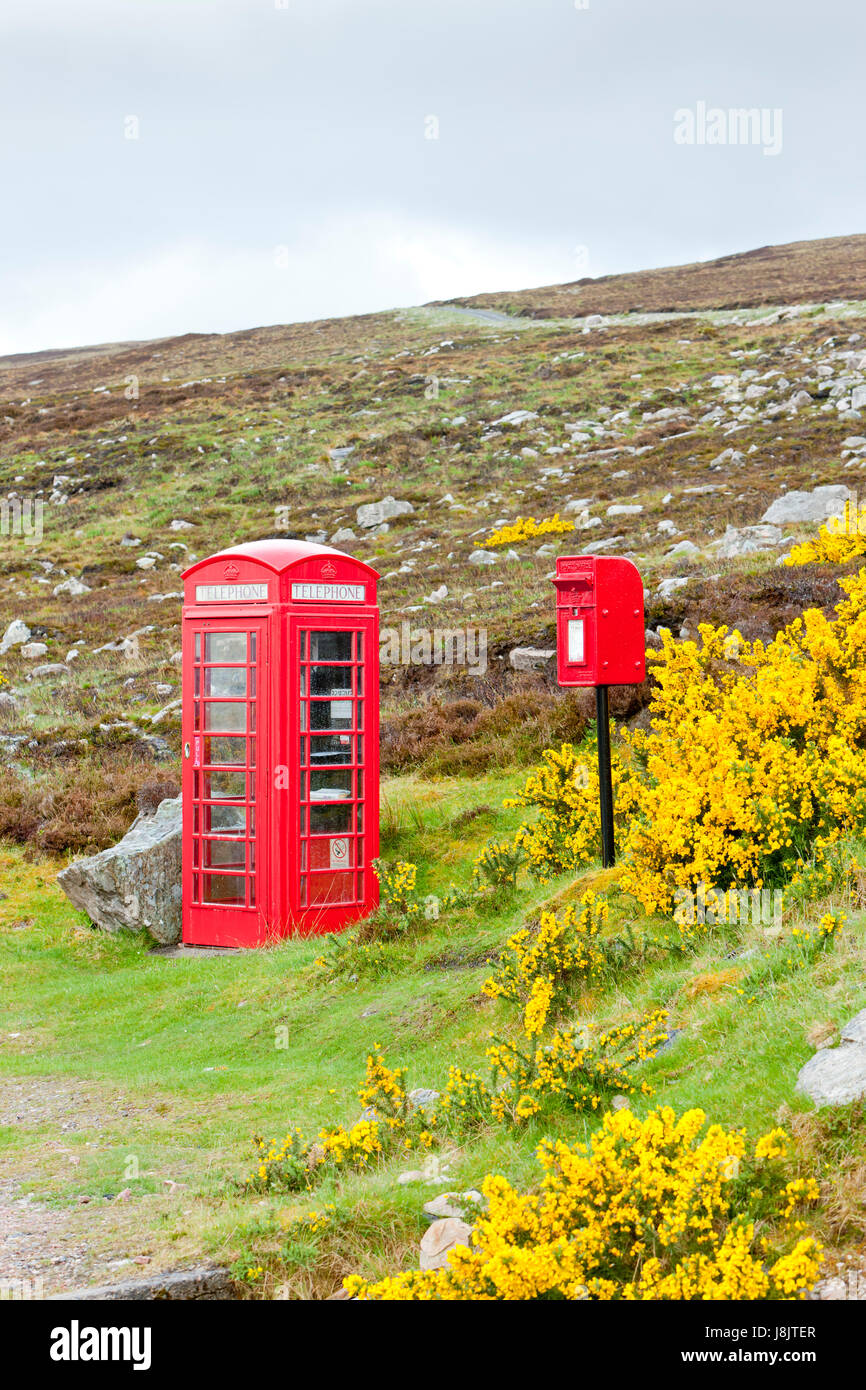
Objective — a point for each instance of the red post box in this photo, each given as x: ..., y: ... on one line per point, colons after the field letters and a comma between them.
x: 280, y: 743
x: 600, y: 641
x: 599, y: 621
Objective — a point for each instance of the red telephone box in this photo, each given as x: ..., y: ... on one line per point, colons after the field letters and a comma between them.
x: 600, y: 638
x: 280, y: 743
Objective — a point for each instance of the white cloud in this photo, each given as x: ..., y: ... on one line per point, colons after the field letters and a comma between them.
x: 342, y: 266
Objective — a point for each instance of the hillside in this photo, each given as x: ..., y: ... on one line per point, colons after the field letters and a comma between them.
x: 799, y: 272
x: 674, y: 440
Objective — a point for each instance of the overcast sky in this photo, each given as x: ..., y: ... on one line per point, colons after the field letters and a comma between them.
x: 169, y: 166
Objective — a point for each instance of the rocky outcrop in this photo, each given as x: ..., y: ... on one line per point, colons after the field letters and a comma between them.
x: 837, y: 1075
x: 136, y: 884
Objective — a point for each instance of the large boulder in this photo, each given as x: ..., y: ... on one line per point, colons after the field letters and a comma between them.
x: 134, y: 885
x: 823, y: 502
x: 837, y: 1075
x: 374, y: 513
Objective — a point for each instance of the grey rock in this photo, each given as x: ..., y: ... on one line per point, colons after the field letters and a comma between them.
x: 670, y: 586
x: 337, y: 456
x: 15, y: 635
x: 457, y: 1204
x: 855, y: 1029
x: 72, y: 586
x: 837, y: 1075
x: 51, y: 668
x: 181, y: 1284
x: 423, y: 1095
x: 374, y: 513
x: 624, y: 509
x: 136, y: 884
x: 482, y: 557
x: 516, y: 417
x: 31, y: 650
x: 529, y: 658
x: 343, y: 534
x: 746, y: 540
x: 818, y: 505
x: 440, y: 1238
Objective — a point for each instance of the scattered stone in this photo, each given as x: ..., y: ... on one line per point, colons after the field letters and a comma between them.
x: 423, y: 1096
x: 374, y: 513
x: 516, y: 417
x: 529, y: 658
x: 624, y: 509
x: 181, y: 525
x: 440, y: 1238
x: 338, y: 456
x: 818, y: 505
x: 182, y: 1284
x: 71, y: 586
x: 31, y: 650
x: 345, y: 533
x: 457, y: 1204
x: 670, y: 586
x: 482, y: 557
x: 50, y: 668
x: 16, y: 633
x: 684, y: 548
x: 134, y: 885
x: 837, y: 1075
x: 746, y: 540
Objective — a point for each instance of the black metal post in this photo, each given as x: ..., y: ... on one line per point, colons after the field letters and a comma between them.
x: 605, y: 784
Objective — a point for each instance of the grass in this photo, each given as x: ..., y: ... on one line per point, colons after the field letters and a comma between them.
x: 140, y: 1064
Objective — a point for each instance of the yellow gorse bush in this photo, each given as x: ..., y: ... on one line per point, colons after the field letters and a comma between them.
x: 837, y: 542
x: 649, y: 1209
x: 526, y: 528
x: 390, y: 1117
x: 538, y: 971
x: 754, y: 759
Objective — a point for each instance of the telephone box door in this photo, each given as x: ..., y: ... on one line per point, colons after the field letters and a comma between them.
x: 334, y: 725
x: 225, y: 802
